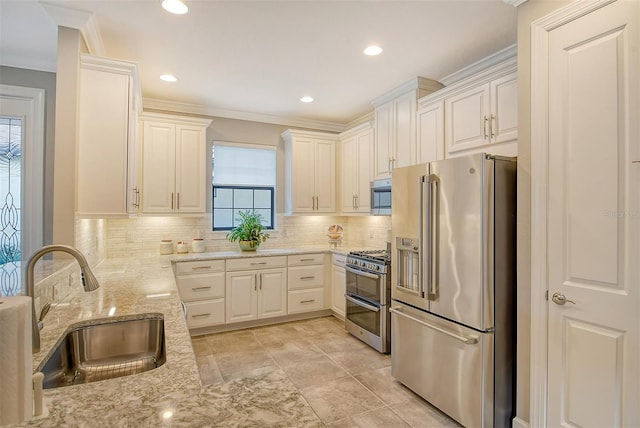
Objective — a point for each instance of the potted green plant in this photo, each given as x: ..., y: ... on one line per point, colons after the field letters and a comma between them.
x: 250, y: 232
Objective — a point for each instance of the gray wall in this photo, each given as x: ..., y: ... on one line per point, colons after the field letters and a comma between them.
x: 47, y: 81
x: 527, y: 13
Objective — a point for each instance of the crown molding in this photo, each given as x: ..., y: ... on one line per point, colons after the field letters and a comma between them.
x: 199, y: 121
x: 116, y: 66
x: 177, y: 107
x: 365, y: 118
x: 421, y: 84
x: 501, y: 56
x: 514, y: 3
x: 81, y: 20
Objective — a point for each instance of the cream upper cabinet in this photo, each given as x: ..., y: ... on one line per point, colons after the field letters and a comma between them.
x: 109, y: 100
x: 483, y: 116
x: 356, y: 166
x: 173, y: 164
x: 430, y: 131
x: 310, y: 172
x: 395, y: 126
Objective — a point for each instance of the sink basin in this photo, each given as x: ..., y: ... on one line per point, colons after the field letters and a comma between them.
x: 106, y: 350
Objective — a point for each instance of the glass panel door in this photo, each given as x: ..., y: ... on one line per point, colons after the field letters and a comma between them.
x: 11, y: 132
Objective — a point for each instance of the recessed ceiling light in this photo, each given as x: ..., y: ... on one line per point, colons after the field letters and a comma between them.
x: 306, y: 99
x: 175, y: 6
x: 168, y: 78
x: 373, y: 50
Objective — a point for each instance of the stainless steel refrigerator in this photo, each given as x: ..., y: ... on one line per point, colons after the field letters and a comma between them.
x: 453, y: 286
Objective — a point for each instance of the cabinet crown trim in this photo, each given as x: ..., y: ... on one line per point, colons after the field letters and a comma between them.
x: 424, y: 85
x: 294, y: 133
x: 356, y: 129
x: 112, y: 65
x: 176, y: 119
x: 502, y: 57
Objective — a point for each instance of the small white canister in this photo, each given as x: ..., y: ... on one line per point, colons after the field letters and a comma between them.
x: 182, y: 247
x: 166, y: 246
x: 197, y: 245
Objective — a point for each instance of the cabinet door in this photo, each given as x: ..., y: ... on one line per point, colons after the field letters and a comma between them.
x: 430, y: 133
x: 504, y: 109
x: 383, y: 140
x: 190, y: 169
x: 158, y: 167
x: 241, y: 296
x: 404, y: 139
x: 303, y: 175
x: 272, y: 296
x: 364, y: 172
x: 467, y: 120
x: 103, y: 143
x: 349, y: 174
x: 339, y: 281
x: 325, y: 176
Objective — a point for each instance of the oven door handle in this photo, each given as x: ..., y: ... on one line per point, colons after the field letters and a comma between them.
x: 360, y: 303
x: 359, y: 272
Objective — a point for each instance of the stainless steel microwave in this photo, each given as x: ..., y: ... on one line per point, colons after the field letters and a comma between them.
x: 381, y: 197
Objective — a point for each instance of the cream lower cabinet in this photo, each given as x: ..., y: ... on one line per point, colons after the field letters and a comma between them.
x: 338, y: 284
x: 256, y: 288
x: 356, y: 167
x: 201, y: 286
x: 306, y: 279
x: 310, y: 172
x: 174, y: 162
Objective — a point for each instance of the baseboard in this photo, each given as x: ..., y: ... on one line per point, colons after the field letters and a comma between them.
x: 519, y: 423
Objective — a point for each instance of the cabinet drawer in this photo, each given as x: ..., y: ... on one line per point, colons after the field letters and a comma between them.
x: 306, y: 300
x: 205, y: 313
x: 197, y: 267
x: 305, y: 277
x: 306, y: 259
x: 249, y: 263
x: 339, y: 259
x: 200, y: 287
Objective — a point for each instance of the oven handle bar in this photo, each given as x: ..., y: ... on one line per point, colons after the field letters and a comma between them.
x: 359, y: 272
x: 463, y: 339
x: 359, y: 303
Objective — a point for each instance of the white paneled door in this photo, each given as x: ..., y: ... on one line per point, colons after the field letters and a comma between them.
x: 593, y: 219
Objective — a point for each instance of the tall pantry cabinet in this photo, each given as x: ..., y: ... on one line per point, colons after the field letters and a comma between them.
x: 173, y: 164
x: 109, y: 100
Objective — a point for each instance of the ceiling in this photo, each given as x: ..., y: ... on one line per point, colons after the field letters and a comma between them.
x: 239, y: 58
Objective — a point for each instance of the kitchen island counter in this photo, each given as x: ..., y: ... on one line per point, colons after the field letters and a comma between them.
x: 169, y: 395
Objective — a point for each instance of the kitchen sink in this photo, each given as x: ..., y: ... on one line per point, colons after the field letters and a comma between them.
x: 106, y: 349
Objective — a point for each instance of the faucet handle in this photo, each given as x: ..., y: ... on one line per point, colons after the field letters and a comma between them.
x: 43, y: 313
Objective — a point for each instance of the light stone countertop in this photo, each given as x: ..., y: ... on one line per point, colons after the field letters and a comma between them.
x: 138, y: 286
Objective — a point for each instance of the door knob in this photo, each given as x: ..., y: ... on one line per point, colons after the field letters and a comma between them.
x: 559, y: 299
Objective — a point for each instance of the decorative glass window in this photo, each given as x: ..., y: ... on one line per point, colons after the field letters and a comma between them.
x: 244, y: 178
x: 10, y: 205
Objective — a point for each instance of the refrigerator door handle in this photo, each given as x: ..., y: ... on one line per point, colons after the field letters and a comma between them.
x: 466, y: 340
x: 425, y: 195
x: 431, y: 258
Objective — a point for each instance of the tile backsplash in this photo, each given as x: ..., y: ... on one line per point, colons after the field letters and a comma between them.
x: 141, y: 236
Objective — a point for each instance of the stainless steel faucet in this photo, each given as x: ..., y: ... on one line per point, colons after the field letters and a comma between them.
x: 89, y: 282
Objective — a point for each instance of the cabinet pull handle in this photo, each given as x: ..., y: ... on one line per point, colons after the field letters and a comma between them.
x: 200, y: 288
x: 313, y: 203
x: 260, y: 278
x: 201, y: 315
x: 171, y: 201
x: 201, y: 267
x: 307, y: 277
x: 258, y: 263
x: 178, y: 197
x: 353, y: 201
x: 492, y: 126
x: 308, y: 301
x: 255, y: 282
x: 484, y: 128
x: 306, y: 260
x: 137, y: 193
x: 357, y: 202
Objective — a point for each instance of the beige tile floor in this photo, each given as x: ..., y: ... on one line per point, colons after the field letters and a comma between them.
x: 345, y: 382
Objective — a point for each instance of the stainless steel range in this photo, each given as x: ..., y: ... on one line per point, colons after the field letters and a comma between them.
x: 368, y: 298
